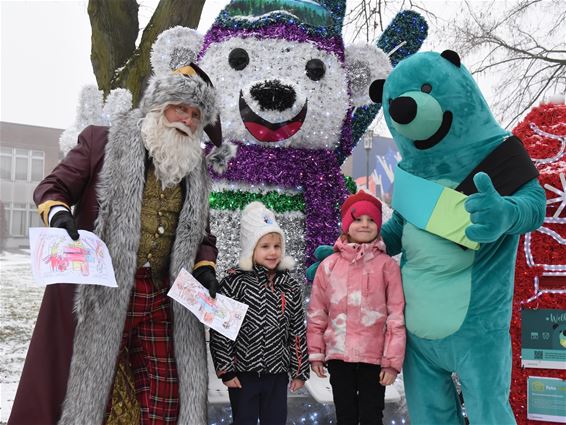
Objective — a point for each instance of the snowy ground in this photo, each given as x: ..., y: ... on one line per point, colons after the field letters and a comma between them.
x: 19, y: 304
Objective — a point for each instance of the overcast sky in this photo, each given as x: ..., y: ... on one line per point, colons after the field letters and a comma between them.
x: 45, y: 55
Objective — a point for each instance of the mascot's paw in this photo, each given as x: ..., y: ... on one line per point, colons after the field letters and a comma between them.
x: 491, y: 214
x: 320, y: 254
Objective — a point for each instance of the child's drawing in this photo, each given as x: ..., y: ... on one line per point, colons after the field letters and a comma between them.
x: 56, y: 258
x: 222, y: 314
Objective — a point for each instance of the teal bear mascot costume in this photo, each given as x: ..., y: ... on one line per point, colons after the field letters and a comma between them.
x: 465, y: 190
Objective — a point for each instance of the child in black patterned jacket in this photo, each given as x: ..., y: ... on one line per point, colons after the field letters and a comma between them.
x: 271, y: 345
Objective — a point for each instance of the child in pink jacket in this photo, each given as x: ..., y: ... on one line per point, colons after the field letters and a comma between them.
x: 355, y: 317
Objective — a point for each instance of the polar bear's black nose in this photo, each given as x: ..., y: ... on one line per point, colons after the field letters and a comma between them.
x: 274, y: 95
x: 403, y: 109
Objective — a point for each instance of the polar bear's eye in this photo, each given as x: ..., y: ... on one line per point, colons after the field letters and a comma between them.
x: 238, y: 59
x: 315, y: 69
x: 426, y: 88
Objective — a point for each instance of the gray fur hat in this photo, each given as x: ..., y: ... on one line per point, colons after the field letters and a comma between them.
x: 189, y: 85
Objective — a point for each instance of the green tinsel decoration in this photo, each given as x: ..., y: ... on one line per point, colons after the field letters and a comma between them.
x: 237, y: 200
x: 350, y: 184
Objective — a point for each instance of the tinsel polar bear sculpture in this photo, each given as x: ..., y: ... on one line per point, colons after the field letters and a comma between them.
x: 464, y: 191
x: 294, y: 101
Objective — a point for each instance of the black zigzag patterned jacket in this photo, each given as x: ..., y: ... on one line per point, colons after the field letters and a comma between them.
x: 272, y: 338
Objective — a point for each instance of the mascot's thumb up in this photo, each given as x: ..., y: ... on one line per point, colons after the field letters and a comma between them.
x: 491, y: 214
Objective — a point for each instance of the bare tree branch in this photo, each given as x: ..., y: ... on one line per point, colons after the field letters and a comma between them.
x: 534, y: 98
x: 496, y: 64
x: 368, y: 16
x: 523, y: 45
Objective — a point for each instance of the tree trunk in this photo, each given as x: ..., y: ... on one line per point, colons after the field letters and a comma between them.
x: 120, y: 64
x: 114, y: 32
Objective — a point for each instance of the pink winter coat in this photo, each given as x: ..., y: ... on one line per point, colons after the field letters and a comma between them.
x: 355, y: 312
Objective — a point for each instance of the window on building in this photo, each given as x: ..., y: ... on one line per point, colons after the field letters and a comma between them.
x: 18, y: 222
x: 6, y: 163
x: 21, y: 216
x: 22, y: 164
x: 37, y: 160
x: 34, y: 217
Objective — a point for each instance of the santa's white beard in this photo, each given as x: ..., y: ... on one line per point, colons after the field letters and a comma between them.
x: 174, y: 154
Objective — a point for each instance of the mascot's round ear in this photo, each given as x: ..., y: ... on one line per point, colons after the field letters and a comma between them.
x: 376, y: 91
x: 451, y: 56
x: 174, y: 48
x: 365, y: 64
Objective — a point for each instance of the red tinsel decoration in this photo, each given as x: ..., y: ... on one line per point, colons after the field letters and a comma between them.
x: 551, y: 119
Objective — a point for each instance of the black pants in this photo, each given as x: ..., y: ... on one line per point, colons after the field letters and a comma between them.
x: 262, y: 397
x: 358, y: 395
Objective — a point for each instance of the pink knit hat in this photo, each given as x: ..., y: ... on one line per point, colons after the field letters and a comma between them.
x: 362, y: 203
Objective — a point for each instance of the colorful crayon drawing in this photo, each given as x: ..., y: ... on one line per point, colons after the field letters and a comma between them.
x: 56, y: 258
x: 222, y: 314
x: 210, y: 310
x: 73, y: 255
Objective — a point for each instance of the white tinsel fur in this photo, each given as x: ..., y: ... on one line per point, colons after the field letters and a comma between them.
x: 219, y: 185
x: 174, y: 48
x: 365, y: 64
x: 93, y: 110
x: 328, y: 99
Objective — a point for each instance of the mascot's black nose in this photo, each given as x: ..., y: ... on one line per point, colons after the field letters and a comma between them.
x: 403, y: 109
x: 274, y: 95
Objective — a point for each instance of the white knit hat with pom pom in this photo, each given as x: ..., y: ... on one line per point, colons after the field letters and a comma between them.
x: 256, y: 222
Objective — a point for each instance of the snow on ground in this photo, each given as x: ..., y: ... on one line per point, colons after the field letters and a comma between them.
x: 19, y: 304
